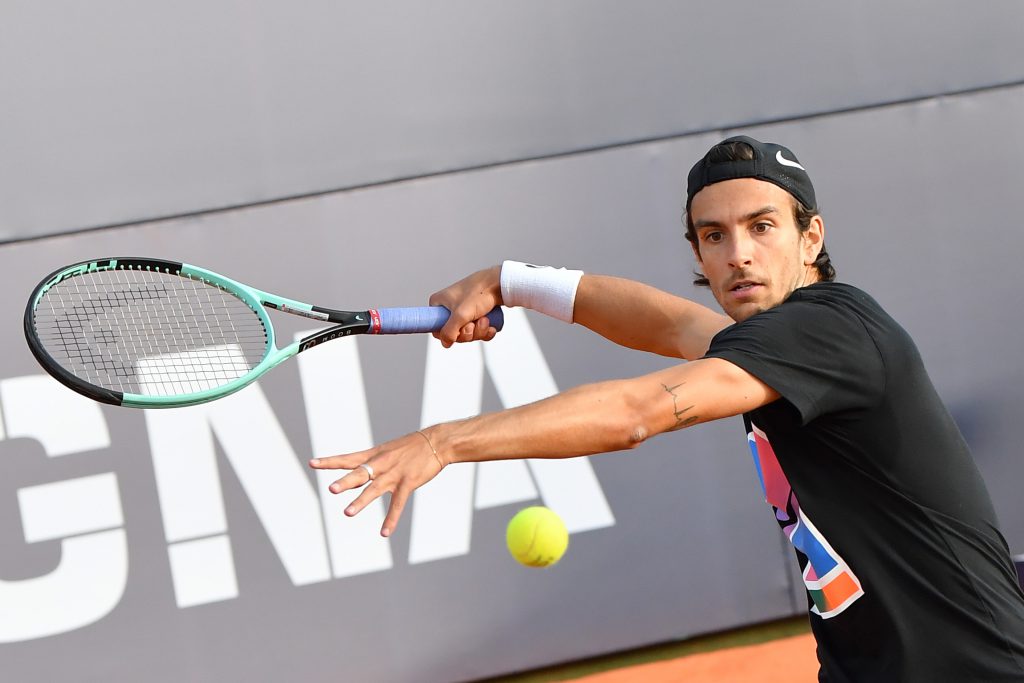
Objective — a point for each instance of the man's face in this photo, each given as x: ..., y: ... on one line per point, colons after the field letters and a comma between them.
x: 749, y: 246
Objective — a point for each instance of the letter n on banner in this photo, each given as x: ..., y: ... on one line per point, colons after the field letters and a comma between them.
x: 192, y: 504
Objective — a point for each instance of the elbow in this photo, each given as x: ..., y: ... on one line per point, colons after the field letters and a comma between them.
x: 637, y: 435
x: 628, y: 421
x: 633, y: 429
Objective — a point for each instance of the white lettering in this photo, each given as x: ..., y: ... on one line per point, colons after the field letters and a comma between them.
x: 268, y: 469
x: 339, y: 422
x: 93, y: 569
x: 203, y: 571
x: 307, y: 527
x: 521, y: 375
x: 442, y: 514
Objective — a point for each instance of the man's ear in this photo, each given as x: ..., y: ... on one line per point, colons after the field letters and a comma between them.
x: 813, y: 240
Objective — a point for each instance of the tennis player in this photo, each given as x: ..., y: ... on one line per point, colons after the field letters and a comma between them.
x: 908, y: 577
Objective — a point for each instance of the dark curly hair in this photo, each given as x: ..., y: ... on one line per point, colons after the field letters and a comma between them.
x: 737, y: 151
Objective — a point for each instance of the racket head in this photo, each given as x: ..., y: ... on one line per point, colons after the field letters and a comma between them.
x: 149, y: 333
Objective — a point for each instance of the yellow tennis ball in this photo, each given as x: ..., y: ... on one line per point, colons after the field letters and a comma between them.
x: 537, y: 537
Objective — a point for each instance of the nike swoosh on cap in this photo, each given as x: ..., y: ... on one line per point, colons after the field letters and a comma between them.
x: 786, y: 162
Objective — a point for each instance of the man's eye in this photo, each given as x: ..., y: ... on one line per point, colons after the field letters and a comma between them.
x: 712, y: 237
x: 762, y: 227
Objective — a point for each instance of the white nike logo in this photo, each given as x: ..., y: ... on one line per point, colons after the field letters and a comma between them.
x: 786, y: 162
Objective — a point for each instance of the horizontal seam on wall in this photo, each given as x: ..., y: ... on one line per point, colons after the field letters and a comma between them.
x: 524, y: 160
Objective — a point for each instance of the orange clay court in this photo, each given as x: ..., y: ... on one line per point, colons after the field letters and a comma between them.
x: 787, y: 660
x: 773, y: 652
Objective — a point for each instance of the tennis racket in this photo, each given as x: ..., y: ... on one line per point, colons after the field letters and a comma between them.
x: 148, y: 333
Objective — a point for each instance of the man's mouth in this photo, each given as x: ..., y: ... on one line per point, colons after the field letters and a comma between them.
x: 743, y: 286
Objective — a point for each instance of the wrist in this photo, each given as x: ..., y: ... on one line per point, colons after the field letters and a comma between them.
x: 544, y: 289
x: 430, y: 444
x: 493, y: 280
x: 449, y: 439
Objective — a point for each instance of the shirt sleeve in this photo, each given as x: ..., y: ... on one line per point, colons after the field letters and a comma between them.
x: 817, y: 354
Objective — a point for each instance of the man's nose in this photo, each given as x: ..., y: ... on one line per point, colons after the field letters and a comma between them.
x: 741, y: 254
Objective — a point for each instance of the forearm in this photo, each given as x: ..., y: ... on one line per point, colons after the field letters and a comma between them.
x: 603, y: 417
x: 626, y: 312
x: 595, y: 418
x: 642, y: 317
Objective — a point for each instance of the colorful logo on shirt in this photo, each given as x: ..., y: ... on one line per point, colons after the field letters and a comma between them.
x: 830, y: 582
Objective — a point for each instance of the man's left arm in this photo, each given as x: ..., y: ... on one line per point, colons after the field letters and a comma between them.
x: 626, y: 312
x: 593, y: 418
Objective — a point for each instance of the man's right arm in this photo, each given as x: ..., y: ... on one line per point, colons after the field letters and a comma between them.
x: 626, y: 312
x: 593, y: 418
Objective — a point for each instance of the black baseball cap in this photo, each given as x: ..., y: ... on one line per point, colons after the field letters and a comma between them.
x: 772, y: 163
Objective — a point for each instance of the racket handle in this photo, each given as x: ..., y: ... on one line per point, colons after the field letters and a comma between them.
x: 421, y: 319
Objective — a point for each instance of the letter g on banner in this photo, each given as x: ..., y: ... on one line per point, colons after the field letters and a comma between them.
x: 83, y: 513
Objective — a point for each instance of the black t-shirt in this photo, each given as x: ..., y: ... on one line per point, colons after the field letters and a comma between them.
x: 908, y: 577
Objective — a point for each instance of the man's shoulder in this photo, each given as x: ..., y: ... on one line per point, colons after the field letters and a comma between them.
x: 826, y: 299
x: 821, y: 307
x: 817, y: 349
x: 833, y: 292
x: 829, y: 300
x: 834, y: 308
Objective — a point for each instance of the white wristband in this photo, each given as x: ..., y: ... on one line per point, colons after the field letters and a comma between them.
x: 544, y: 289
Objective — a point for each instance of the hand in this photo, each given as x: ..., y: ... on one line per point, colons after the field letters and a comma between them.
x: 399, y: 467
x: 469, y: 300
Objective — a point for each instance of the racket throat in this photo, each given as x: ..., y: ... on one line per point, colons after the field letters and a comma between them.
x: 349, y: 323
x: 313, y: 312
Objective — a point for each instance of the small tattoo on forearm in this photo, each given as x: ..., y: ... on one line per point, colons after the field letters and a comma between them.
x: 679, y: 413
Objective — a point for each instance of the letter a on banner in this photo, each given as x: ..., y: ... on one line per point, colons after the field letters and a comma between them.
x: 453, y: 389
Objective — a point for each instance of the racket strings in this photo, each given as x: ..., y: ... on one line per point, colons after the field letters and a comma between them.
x: 149, y: 332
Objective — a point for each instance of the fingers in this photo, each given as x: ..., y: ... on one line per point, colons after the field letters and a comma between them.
x: 347, y: 461
x: 353, y: 480
x: 359, y: 470
x: 395, y: 509
x: 468, y: 300
x: 452, y: 329
x: 484, y: 331
x: 367, y: 496
x: 455, y: 330
x: 478, y: 330
x: 466, y: 332
x: 398, y: 499
x: 398, y: 467
x: 475, y: 330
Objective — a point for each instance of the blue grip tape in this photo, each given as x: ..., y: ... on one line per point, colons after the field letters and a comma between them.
x: 425, y: 319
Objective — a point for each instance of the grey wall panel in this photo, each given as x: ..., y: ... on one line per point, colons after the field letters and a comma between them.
x: 706, y: 521
x: 117, y: 112
x: 915, y: 200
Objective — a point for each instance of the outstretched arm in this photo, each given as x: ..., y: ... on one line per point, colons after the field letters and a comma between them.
x: 594, y: 418
x: 626, y: 312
